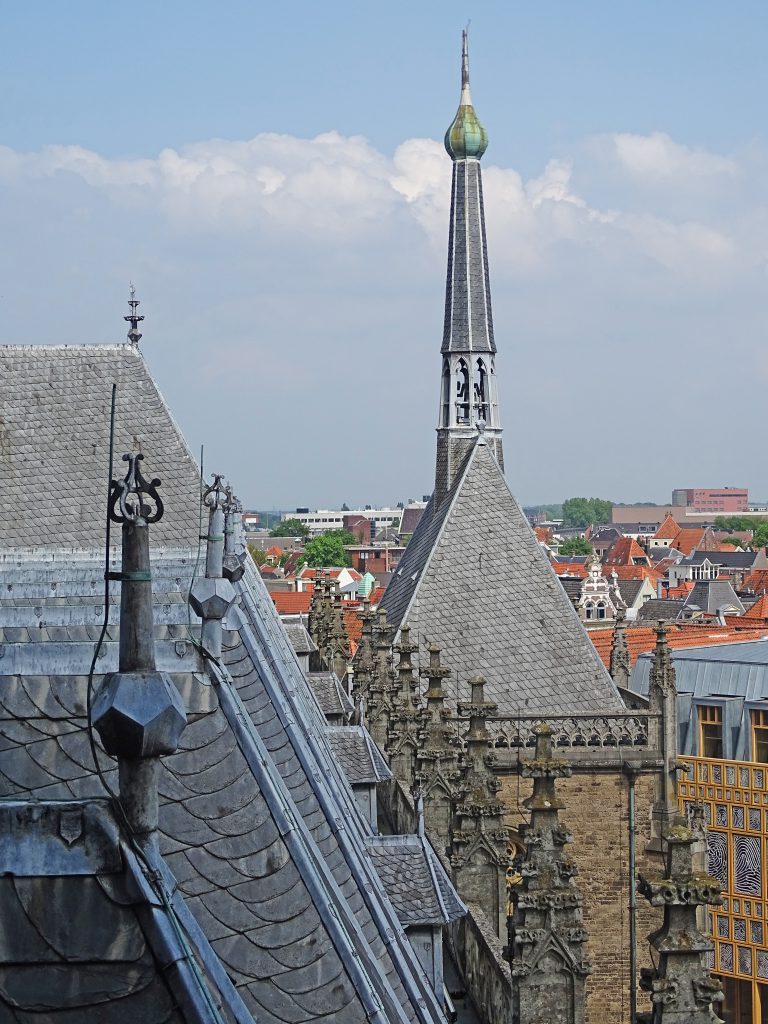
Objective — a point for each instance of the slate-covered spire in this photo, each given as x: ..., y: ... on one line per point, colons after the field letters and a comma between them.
x: 468, y: 399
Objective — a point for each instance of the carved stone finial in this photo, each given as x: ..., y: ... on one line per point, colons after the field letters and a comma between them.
x: 134, y: 319
x: 546, y: 930
x: 620, y: 663
x: 682, y: 989
x: 128, y: 498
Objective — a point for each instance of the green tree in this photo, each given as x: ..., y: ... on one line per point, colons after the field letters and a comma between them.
x: 291, y: 528
x: 732, y: 540
x: 328, y: 549
x: 580, y: 512
x: 575, y: 546
x: 257, y: 554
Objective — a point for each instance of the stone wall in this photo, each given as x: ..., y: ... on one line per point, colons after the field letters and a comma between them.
x: 486, y: 974
x: 597, y: 813
x: 475, y: 945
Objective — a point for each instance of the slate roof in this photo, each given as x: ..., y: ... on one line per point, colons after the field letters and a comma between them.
x: 257, y: 824
x: 629, y: 590
x: 415, y: 880
x: 475, y: 580
x: 468, y: 325
x: 261, y: 841
x: 730, y: 559
x: 727, y: 670
x: 301, y: 641
x: 572, y: 586
x: 359, y: 757
x: 660, y: 608
x: 72, y: 866
x: 54, y: 444
x: 330, y: 694
x: 712, y: 595
x: 410, y: 520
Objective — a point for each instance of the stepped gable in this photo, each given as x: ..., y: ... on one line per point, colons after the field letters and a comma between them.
x: 54, y: 444
x: 475, y: 580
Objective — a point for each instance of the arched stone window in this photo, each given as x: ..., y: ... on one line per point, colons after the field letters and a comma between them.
x: 462, y: 392
x: 445, y: 396
x: 601, y: 609
x: 589, y: 610
x: 481, y: 390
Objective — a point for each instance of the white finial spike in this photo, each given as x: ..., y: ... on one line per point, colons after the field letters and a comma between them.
x: 466, y: 99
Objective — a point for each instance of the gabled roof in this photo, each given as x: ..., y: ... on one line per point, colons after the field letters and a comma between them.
x: 359, y: 757
x: 759, y: 609
x: 668, y: 530
x: 54, y: 445
x: 415, y: 880
x: 475, y: 580
x: 711, y: 596
x: 625, y: 551
x: 330, y: 694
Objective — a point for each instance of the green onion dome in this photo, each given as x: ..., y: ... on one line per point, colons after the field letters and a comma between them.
x: 466, y: 137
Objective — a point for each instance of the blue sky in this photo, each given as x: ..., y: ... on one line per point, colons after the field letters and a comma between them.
x: 302, y: 278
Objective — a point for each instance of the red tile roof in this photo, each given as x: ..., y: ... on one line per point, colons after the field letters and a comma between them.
x: 668, y: 530
x: 570, y: 569
x: 688, y: 538
x: 289, y: 603
x: 275, y: 551
x: 757, y: 581
x: 543, y: 534
x: 624, y: 551
x: 759, y: 609
x: 642, y: 639
x: 633, y: 572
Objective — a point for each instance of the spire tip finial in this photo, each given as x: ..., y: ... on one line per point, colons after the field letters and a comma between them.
x: 133, y: 318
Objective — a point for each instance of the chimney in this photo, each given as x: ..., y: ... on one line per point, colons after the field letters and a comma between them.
x: 137, y: 712
x: 212, y: 595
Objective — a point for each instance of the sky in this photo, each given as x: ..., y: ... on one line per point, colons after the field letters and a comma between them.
x: 273, y: 180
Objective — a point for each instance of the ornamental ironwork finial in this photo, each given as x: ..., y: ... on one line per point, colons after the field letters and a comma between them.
x: 133, y: 318
x: 231, y: 501
x: 215, y: 495
x: 128, y: 497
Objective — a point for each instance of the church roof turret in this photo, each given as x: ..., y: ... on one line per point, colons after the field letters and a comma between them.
x: 466, y: 138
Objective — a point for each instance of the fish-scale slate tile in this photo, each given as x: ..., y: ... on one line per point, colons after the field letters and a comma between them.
x: 276, y: 739
x: 43, y: 392
x: 475, y: 580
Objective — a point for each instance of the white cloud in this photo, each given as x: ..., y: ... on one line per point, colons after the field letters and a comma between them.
x: 658, y: 158
x: 303, y: 273
x: 342, y: 188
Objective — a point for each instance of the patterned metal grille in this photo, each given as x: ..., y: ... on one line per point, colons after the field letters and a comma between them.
x: 735, y: 799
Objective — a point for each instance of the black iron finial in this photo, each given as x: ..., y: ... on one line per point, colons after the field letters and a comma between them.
x: 133, y: 318
x: 214, y: 496
x: 127, y: 502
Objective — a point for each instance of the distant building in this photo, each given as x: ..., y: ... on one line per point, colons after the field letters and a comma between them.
x: 717, y: 500
x: 648, y: 515
x: 322, y: 520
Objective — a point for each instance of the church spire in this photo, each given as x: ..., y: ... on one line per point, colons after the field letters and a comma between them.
x: 468, y: 401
